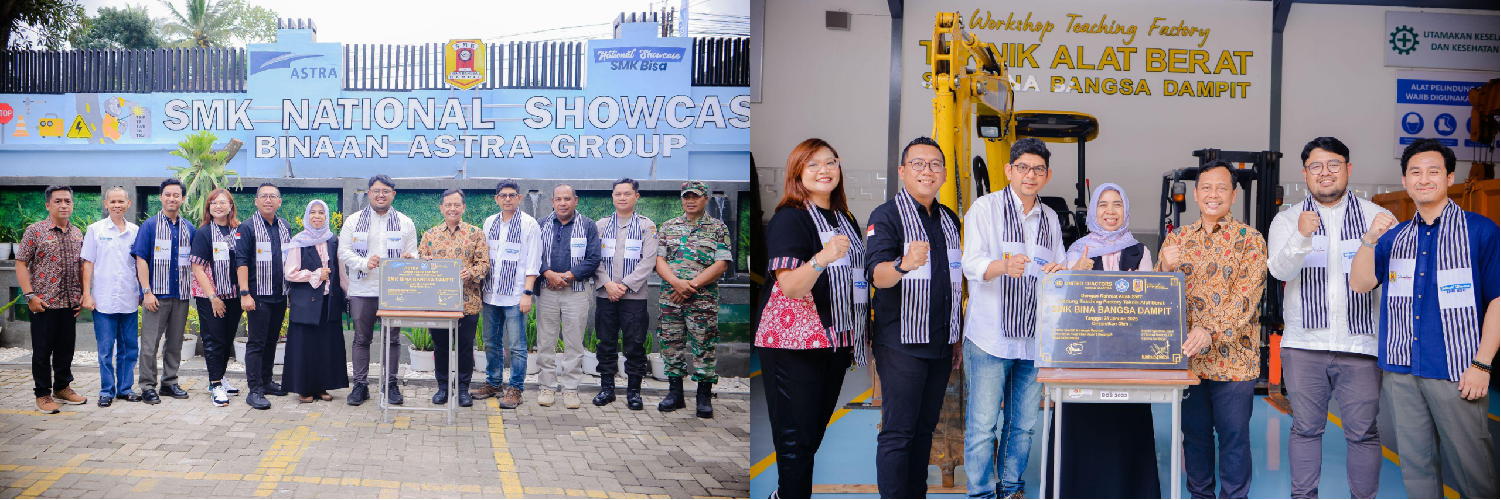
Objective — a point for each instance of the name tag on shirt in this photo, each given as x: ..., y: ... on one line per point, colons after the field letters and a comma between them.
x: 263, y: 251
x: 1399, y: 275
x: 1455, y: 288
x: 956, y: 266
x: 510, y: 251
x: 1319, y: 257
x: 162, y: 250
x: 576, y: 247
x: 221, y: 251
x: 609, y: 246
x: 1347, y: 253
x: 633, y: 249
x: 825, y: 236
x: 861, y: 291
x: 360, y: 241
x: 182, y: 260
x: 393, y: 242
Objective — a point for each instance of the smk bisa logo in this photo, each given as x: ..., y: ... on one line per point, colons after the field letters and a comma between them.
x: 1122, y: 285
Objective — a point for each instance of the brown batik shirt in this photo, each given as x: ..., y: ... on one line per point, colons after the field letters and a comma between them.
x: 51, y: 253
x: 466, y: 243
x: 1225, y: 269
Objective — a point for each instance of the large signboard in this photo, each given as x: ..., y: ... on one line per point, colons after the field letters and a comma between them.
x: 1441, y: 41
x: 1436, y: 105
x: 1111, y: 319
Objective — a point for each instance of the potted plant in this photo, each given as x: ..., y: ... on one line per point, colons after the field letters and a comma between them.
x: 7, y: 308
x: 421, y: 350
x: 281, y: 341
x: 190, y: 337
x: 531, y: 342
x: 590, y: 357
x: 658, y: 365
x: 479, y: 345
x: 7, y: 239
x: 205, y: 171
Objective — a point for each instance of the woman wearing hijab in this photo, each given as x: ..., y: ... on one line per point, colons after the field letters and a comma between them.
x: 315, y: 338
x: 1109, y: 450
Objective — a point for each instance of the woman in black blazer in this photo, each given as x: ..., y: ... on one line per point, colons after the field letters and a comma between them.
x: 316, y: 284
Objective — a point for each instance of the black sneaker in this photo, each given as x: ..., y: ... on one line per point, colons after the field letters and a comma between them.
x: 358, y: 395
x: 274, y: 389
x: 258, y: 401
x: 393, y: 395
x: 104, y: 401
x: 175, y: 391
x: 465, y: 400
x: 441, y: 397
x: 131, y: 397
x: 150, y: 397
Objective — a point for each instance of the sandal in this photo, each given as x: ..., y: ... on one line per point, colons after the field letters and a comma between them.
x: 304, y: 399
x: 325, y: 396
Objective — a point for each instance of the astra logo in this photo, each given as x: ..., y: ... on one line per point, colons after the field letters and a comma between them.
x: 264, y: 60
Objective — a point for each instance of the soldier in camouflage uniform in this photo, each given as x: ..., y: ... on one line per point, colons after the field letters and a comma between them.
x: 693, y: 251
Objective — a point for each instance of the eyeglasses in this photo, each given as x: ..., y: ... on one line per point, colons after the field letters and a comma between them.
x: 378, y: 192
x: 268, y: 196
x: 507, y: 196
x: 1037, y: 170
x: 920, y: 166
x: 220, y: 203
x: 828, y: 166
x: 1331, y: 166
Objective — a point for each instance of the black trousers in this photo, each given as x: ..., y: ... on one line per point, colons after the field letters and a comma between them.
x: 218, y: 334
x: 611, y: 320
x: 802, y: 391
x: 53, y: 336
x: 467, y: 325
x: 260, y: 349
x: 912, y: 390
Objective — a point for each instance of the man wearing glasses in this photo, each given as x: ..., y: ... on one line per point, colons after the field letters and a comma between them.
x: 1329, y: 341
x: 912, y: 258
x: 1010, y: 240
x: 263, y: 291
x: 514, y: 241
x: 369, y: 235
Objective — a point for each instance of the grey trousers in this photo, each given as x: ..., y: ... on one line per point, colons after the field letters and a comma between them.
x: 170, y: 318
x: 1436, y: 427
x: 1353, y: 379
x: 362, y: 311
x: 561, y: 313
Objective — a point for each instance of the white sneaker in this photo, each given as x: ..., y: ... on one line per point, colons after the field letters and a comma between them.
x: 571, y: 400
x: 229, y: 388
x: 221, y: 395
x: 545, y: 397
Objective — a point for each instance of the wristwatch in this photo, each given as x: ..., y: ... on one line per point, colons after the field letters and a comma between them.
x: 898, y: 264
x: 1364, y: 242
x: 814, y: 262
x: 526, y: 292
x: 244, y: 293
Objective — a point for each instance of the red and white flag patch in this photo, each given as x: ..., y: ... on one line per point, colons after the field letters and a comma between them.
x: 870, y: 230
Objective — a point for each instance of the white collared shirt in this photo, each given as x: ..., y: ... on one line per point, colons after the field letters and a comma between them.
x: 982, y: 245
x: 531, y: 256
x: 114, y: 285
x: 1286, y: 248
x: 369, y: 286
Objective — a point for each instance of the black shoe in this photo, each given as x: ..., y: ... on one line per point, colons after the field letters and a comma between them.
x: 441, y: 397
x: 606, y: 391
x: 633, y: 393
x: 393, y: 394
x: 150, y: 397
x: 705, y: 394
x: 358, y: 395
x: 274, y: 389
x: 132, y: 397
x: 674, y: 399
x: 258, y: 401
x: 465, y: 400
x: 174, y: 391
x: 104, y: 401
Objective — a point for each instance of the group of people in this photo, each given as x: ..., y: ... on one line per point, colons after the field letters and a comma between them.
x: 837, y: 290
x: 269, y: 271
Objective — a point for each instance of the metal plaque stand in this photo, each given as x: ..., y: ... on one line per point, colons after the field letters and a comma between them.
x: 395, y: 320
x: 1104, y: 385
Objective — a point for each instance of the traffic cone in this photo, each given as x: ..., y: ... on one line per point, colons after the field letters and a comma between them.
x: 20, y: 127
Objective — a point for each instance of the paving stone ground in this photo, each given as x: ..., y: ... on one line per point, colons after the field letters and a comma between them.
x: 190, y: 448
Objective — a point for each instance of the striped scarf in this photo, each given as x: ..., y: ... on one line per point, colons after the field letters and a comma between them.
x: 504, y: 277
x: 548, y: 224
x: 1019, y: 305
x: 632, y: 233
x: 265, y: 273
x: 1456, y: 293
x: 393, y: 224
x: 1313, y: 279
x: 849, y: 315
x: 161, y: 258
x: 916, y: 290
x: 223, y: 282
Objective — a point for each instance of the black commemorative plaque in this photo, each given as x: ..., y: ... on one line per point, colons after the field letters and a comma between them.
x: 421, y: 285
x: 1110, y: 319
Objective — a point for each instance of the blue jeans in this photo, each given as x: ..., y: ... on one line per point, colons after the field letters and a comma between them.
x: 1218, y: 409
x: 505, y: 334
x: 996, y: 384
x: 117, y: 336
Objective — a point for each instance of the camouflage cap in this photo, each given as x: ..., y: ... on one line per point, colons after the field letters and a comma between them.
x: 695, y: 187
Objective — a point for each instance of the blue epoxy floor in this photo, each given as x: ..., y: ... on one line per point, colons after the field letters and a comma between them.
x: 848, y: 452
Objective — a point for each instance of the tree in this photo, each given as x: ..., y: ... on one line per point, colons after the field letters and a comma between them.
x: 127, y: 28
x: 205, y: 171
x: 206, y: 23
x: 45, y: 23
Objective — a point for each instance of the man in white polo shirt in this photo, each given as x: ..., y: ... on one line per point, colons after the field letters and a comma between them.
x: 111, y: 289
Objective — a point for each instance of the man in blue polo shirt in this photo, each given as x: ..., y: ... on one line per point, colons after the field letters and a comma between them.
x: 161, y: 251
x: 1438, y: 328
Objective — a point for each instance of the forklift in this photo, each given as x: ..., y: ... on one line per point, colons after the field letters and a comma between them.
x: 1256, y: 175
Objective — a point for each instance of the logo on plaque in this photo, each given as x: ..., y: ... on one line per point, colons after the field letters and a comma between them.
x: 1138, y: 285
x: 1122, y: 285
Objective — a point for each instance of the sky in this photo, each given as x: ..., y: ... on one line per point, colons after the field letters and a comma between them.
x: 397, y: 22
